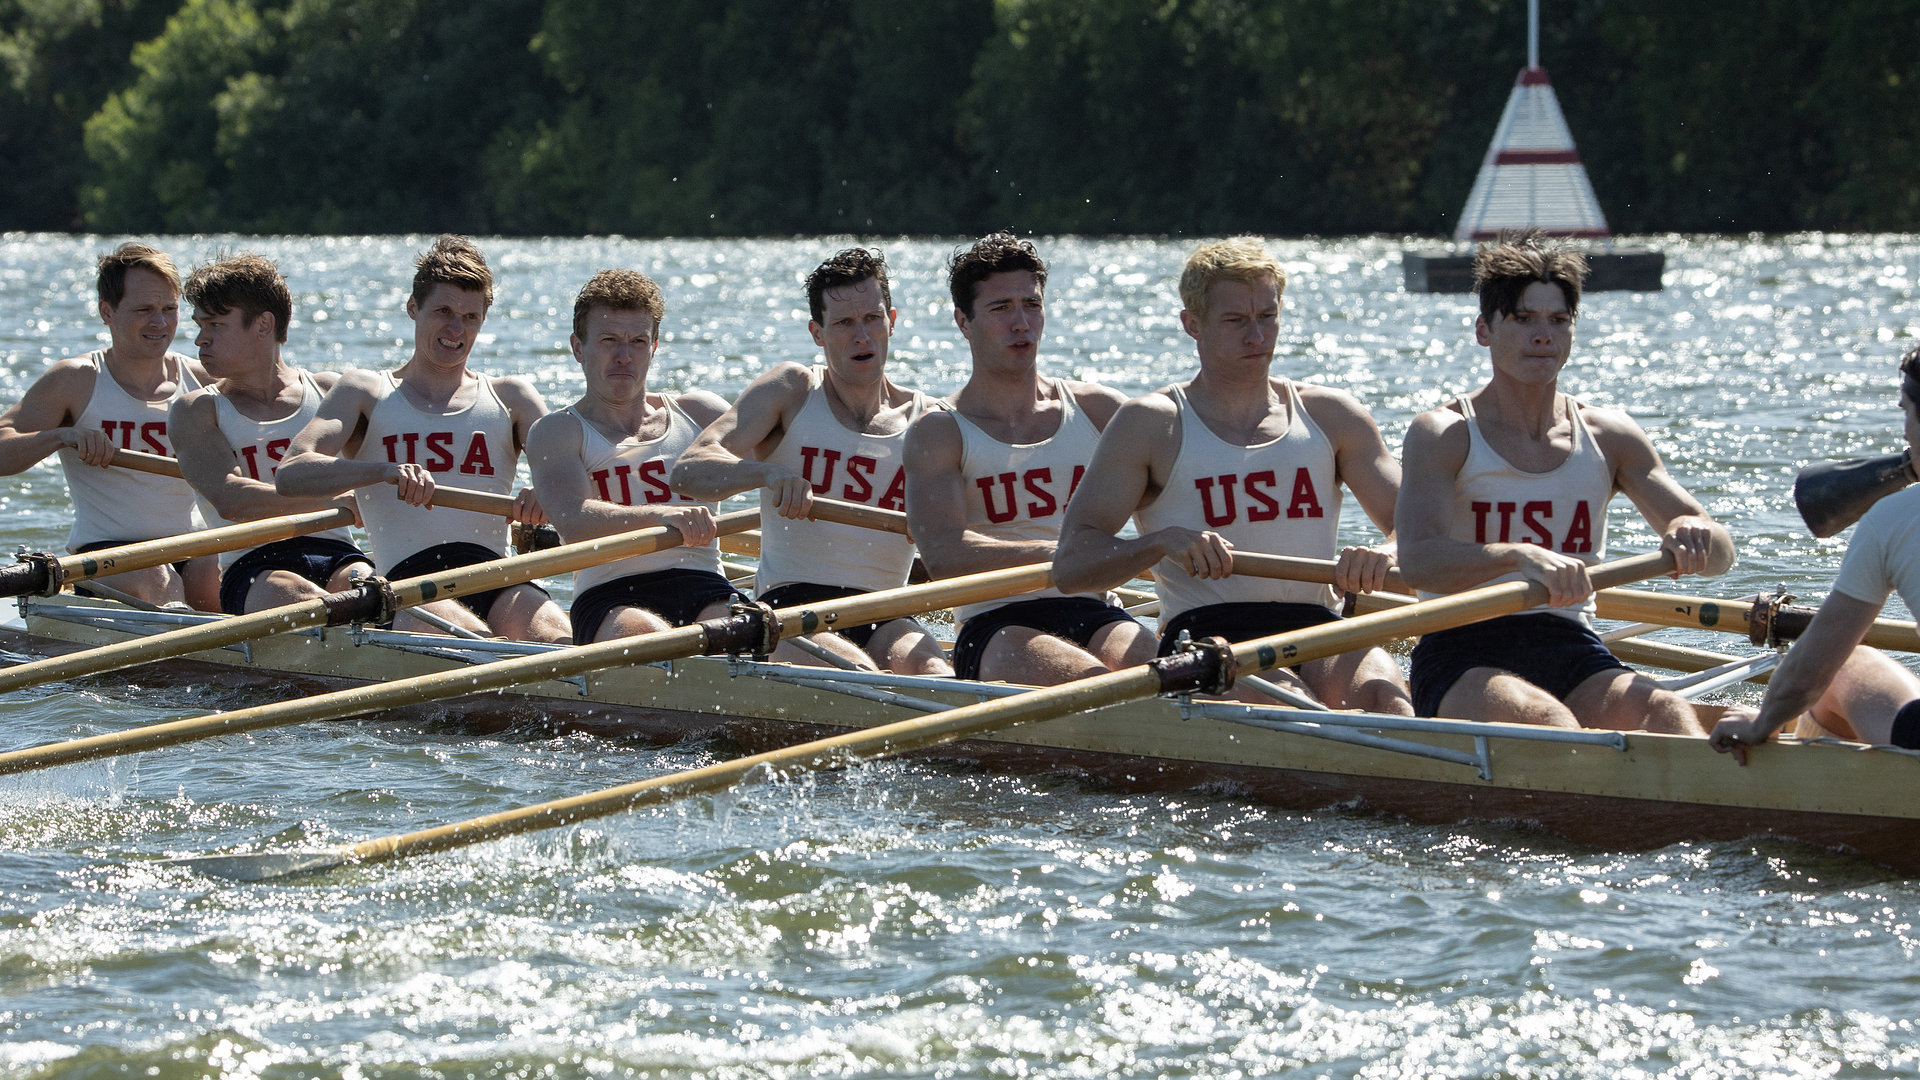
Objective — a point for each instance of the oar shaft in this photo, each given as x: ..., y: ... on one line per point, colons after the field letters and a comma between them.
x: 1728, y: 616
x: 1046, y: 703
x: 560, y: 663
x: 480, y: 502
x: 328, y: 611
x: 44, y: 579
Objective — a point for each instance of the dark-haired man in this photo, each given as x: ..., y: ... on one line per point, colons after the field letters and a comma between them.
x: 1237, y: 457
x: 231, y: 434
x: 1511, y: 482
x: 1828, y: 677
x: 433, y: 418
x: 833, y: 429
x: 602, y: 465
x: 989, y: 476
x: 86, y: 407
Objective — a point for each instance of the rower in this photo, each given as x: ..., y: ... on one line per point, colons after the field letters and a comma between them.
x: 989, y: 475
x: 602, y: 466
x: 1829, y: 681
x: 1237, y: 458
x: 1511, y: 482
x: 833, y: 429
x: 429, y: 418
x: 231, y: 434
x: 85, y: 418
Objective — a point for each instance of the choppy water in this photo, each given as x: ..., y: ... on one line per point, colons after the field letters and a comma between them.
x: 920, y: 920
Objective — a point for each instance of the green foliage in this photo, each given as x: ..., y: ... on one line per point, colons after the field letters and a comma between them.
x: 880, y: 116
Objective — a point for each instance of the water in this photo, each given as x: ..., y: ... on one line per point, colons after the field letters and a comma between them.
x: 914, y: 919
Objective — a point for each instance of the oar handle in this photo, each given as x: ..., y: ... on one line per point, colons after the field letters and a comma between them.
x: 43, y: 576
x: 480, y: 502
x: 866, y: 517
x: 1295, y: 568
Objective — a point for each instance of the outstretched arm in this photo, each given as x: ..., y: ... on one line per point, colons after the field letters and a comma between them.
x: 579, y: 511
x: 1700, y: 545
x: 1802, y: 677
x: 207, y: 461
x: 42, y: 422
x: 1362, y: 462
x: 727, y: 457
x: 937, y: 507
x: 1128, y: 470
x: 315, y: 465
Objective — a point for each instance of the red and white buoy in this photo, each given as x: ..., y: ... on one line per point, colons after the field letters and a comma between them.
x: 1532, y: 177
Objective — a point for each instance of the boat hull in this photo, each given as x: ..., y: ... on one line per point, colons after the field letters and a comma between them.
x: 1650, y: 791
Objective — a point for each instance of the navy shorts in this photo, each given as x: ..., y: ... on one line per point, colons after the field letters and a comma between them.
x: 800, y: 594
x: 443, y: 557
x: 1242, y: 621
x: 1075, y: 618
x: 677, y: 596
x: 1906, y: 726
x: 316, y: 558
x: 1553, y: 653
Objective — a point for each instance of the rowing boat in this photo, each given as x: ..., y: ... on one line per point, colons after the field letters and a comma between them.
x: 1612, y: 789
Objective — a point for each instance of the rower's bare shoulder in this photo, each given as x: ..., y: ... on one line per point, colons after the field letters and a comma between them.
x: 1443, y: 429
x: 1097, y: 400
x: 1332, y: 406
x: 704, y: 406
x: 325, y: 380
x: 933, y: 439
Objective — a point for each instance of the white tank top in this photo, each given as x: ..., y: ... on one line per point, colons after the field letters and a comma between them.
x: 470, y: 448
x: 634, y: 473
x: 1278, y: 497
x: 1564, y: 508
x: 1020, y: 491
x: 120, y: 504
x: 258, y: 446
x: 840, y: 464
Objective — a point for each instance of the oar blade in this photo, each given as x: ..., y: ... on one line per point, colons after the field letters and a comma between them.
x: 1832, y: 495
x: 265, y: 865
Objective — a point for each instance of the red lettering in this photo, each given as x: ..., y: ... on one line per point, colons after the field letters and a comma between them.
x: 1306, y: 501
x: 1541, y: 534
x: 154, y: 434
x: 896, y: 496
x: 1044, y: 506
x: 440, y: 445
x: 1260, y: 505
x: 625, y: 473
x: 248, y: 454
x: 1579, y: 539
x: 830, y: 457
x: 859, y: 479
x: 478, y: 461
x: 124, y: 427
x: 985, y: 484
x: 277, y: 449
x: 1480, y: 511
x: 654, y: 474
x: 1217, y: 518
x: 1505, y: 510
x: 1078, y: 472
x: 600, y: 477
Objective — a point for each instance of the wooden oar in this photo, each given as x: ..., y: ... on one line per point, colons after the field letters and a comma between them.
x: 1180, y: 672
x: 480, y: 502
x: 366, y: 603
x: 43, y: 575
x: 1733, y: 616
x: 744, y: 632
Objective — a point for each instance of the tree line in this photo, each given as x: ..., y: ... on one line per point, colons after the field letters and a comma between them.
x: 768, y: 117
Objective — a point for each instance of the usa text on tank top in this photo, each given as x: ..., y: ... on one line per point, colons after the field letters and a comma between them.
x: 840, y: 464
x: 633, y: 472
x: 1564, y: 508
x: 120, y: 504
x: 258, y: 447
x: 470, y: 448
x: 1280, y: 497
x: 1019, y: 491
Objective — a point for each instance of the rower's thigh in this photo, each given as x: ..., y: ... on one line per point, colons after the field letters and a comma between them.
x: 1866, y: 694
x: 452, y: 611
x: 624, y: 622
x: 1368, y: 679
x: 905, y: 647
x: 1021, y: 654
x: 1485, y: 693
x: 524, y: 613
x: 201, y: 583
x: 155, y: 584
x: 278, y: 588
x: 1123, y: 644
x: 1621, y: 700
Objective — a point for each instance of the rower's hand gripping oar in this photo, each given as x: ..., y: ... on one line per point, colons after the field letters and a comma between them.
x: 44, y: 575
x: 373, y: 601
x: 1210, y: 669
x: 752, y: 629
x: 1832, y: 495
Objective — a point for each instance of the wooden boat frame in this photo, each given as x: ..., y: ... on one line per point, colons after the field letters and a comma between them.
x: 1618, y: 790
